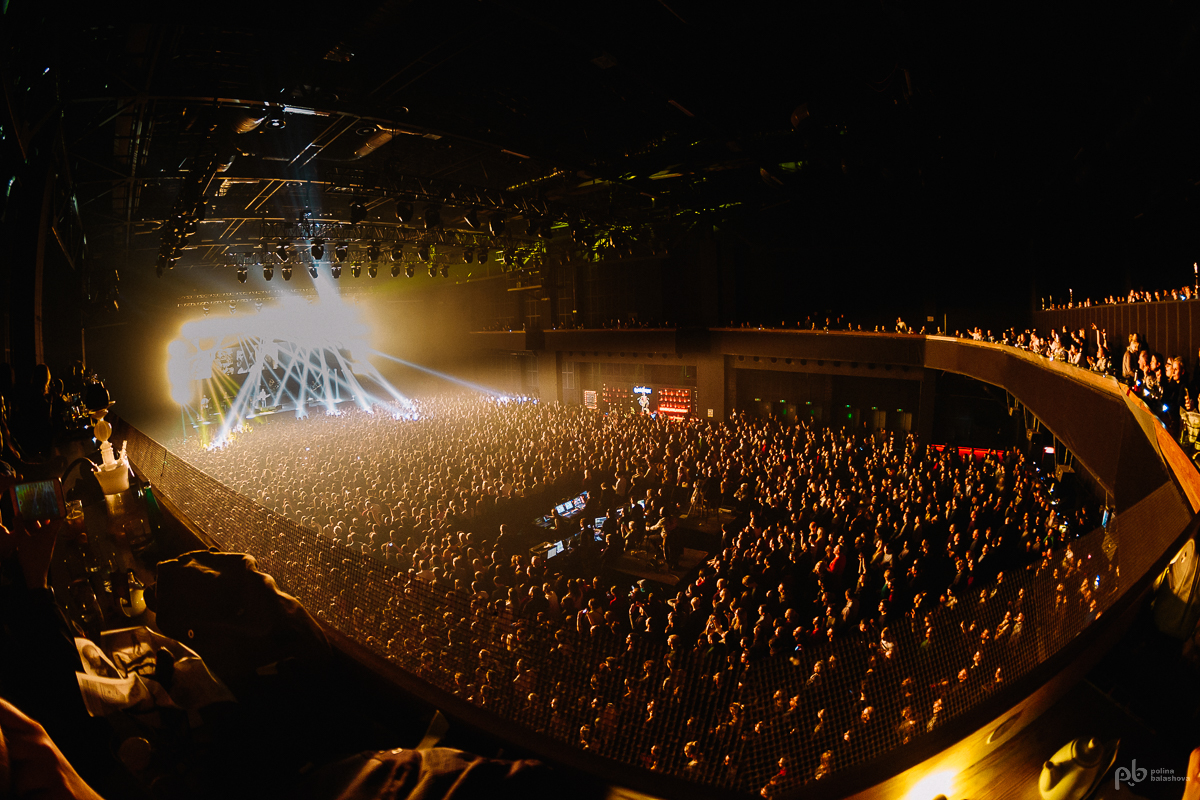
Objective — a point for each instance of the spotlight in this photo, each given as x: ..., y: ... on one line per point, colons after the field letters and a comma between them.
x: 206, y: 308
x: 395, y: 270
x: 312, y: 271
x: 508, y: 257
x: 335, y: 271
x: 472, y: 219
x: 404, y: 212
x: 409, y: 270
x: 358, y: 211
x: 433, y: 270
x: 468, y: 256
x: 496, y: 225
x: 241, y: 275
x: 356, y: 270
x: 372, y: 271
x: 284, y: 250
x: 397, y: 252
x: 340, y: 251
x: 433, y: 217
x: 545, y: 228
x: 268, y: 273
x: 482, y: 256
x: 232, y: 307
x: 423, y: 252
x: 286, y: 272
x: 445, y: 270
x: 373, y: 251
x: 318, y: 249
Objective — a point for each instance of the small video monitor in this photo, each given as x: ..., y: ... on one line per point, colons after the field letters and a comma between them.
x: 39, y: 500
x: 600, y: 521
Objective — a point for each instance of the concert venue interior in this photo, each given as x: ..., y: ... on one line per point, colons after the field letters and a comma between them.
x: 477, y: 398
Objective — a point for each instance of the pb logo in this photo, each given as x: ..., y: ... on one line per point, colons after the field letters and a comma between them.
x: 1131, y: 775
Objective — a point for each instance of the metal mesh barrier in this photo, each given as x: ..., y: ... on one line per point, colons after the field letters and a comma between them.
x: 762, y: 722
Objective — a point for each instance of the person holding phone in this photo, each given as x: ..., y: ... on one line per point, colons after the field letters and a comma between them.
x: 38, y: 661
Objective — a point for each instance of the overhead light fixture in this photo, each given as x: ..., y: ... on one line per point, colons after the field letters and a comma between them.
x: 482, y: 257
x: 358, y: 211
x: 396, y: 270
x: 356, y: 270
x: 340, y: 251
x: 471, y: 218
x: 433, y: 217
x: 284, y: 250
x: 373, y: 251
x: 409, y: 270
x: 423, y: 252
x: 496, y: 225
x: 397, y: 252
x: 268, y: 273
x: 445, y: 270
x: 404, y: 212
x: 312, y: 271
x: 335, y: 271
x: 373, y: 271
x: 286, y: 272
x: 241, y: 276
x: 468, y: 255
x: 318, y: 249
x: 433, y: 270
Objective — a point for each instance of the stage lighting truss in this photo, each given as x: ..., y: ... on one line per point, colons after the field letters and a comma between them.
x: 378, y: 238
x: 431, y: 248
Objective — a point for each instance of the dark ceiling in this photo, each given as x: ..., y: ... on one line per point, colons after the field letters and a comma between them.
x: 920, y: 137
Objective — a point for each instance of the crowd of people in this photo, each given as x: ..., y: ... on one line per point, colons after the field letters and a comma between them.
x: 1133, y: 296
x: 864, y: 589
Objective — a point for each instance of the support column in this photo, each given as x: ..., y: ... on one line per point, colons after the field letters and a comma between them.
x: 710, y: 385
x: 925, y: 406
x: 549, y: 363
